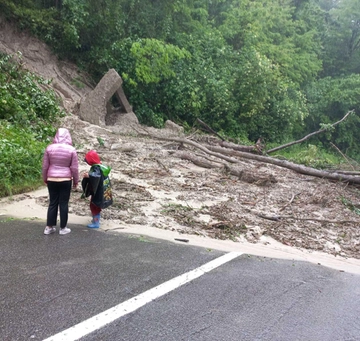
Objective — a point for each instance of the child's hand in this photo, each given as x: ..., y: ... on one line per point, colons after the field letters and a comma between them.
x: 85, y: 175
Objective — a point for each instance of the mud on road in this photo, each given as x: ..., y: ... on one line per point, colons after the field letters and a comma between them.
x: 152, y: 187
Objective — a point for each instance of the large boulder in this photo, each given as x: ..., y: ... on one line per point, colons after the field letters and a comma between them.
x: 97, y: 107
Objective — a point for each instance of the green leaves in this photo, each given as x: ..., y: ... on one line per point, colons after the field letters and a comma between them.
x: 22, y: 100
x: 342, y: 39
x: 247, y: 68
x: 154, y: 59
x: 27, y: 115
x: 21, y: 156
x: 329, y: 99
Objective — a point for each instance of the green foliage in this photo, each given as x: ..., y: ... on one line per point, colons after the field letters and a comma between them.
x: 21, y: 156
x: 271, y: 106
x: 154, y: 59
x: 101, y: 141
x: 42, y: 23
x: 23, y: 101
x: 310, y: 155
x: 342, y: 39
x: 329, y: 99
x: 269, y: 28
x: 203, y: 84
x: 27, y: 118
x: 247, y: 68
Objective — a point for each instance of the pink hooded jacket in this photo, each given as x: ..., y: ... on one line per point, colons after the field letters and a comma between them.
x: 60, y: 158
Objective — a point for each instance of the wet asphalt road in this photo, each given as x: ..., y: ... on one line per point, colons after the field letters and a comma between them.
x: 51, y: 283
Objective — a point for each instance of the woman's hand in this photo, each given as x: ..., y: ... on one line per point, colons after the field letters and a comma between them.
x: 85, y: 175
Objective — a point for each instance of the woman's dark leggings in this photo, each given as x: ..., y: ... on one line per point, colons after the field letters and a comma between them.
x: 59, y: 193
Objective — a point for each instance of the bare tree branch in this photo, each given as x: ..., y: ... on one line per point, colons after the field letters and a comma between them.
x: 307, y: 136
x: 210, y: 130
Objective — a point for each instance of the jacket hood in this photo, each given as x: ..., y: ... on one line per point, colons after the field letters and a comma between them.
x: 92, y: 158
x: 63, y: 136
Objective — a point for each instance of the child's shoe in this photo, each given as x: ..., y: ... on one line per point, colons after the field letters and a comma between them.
x: 95, y: 224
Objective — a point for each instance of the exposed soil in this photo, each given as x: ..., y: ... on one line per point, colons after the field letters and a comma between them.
x: 153, y: 187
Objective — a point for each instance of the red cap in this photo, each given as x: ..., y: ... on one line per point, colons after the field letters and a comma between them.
x: 92, y: 158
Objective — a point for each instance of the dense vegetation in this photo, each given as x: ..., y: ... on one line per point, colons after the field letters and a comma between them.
x: 278, y: 69
x: 27, y: 115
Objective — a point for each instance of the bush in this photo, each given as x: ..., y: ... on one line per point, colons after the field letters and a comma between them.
x: 28, y: 116
x: 21, y: 158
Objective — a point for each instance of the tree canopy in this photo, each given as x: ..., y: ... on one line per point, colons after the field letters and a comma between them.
x: 265, y: 68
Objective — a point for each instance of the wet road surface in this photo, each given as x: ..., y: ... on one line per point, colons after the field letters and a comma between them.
x: 50, y: 284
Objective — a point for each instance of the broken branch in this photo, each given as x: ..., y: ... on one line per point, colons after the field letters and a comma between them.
x: 308, y: 136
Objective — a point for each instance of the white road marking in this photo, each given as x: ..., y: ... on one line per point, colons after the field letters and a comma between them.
x: 98, y: 321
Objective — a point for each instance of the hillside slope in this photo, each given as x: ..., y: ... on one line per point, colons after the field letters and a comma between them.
x: 37, y: 58
x: 154, y: 188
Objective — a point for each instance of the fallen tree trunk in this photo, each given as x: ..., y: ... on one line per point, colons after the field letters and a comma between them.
x: 192, y: 143
x: 221, y: 153
x: 250, y: 177
x: 247, y: 149
x: 243, y: 175
x: 290, y: 165
x: 198, y: 161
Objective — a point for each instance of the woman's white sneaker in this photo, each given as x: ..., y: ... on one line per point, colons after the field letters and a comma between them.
x: 65, y: 230
x: 49, y: 230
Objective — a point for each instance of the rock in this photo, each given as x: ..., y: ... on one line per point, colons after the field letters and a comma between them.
x: 96, y: 107
x: 170, y: 125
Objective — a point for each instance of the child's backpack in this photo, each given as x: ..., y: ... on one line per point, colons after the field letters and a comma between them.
x: 99, y: 186
x: 107, y: 196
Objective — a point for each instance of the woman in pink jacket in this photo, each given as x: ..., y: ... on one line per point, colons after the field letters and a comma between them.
x: 60, y: 169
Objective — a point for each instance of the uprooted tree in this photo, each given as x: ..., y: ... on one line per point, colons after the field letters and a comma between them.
x: 220, y: 153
